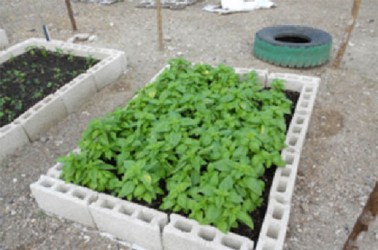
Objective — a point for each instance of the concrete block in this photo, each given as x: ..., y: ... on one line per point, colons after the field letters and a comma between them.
x: 55, y: 171
x: 42, y: 115
x: 282, y: 187
x: 293, y: 82
x: 128, y: 221
x: 84, y: 51
x: 262, y: 74
x: 77, y: 92
x: 299, y: 125
x: 12, y: 136
x: 63, y: 199
x: 186, y: 234
x: 51, y: 45
x: 154, y: 78
x: 107, y: 71
x: 273, y: 231
x: 3, y: 39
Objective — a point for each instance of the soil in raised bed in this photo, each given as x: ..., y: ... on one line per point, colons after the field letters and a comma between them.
x: 259, y: 214
x: 29, y: 77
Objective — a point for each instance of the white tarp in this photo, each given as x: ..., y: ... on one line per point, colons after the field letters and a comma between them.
x: 231, y: 6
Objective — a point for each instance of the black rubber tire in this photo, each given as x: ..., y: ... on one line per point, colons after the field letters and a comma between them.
x: 293, y: 46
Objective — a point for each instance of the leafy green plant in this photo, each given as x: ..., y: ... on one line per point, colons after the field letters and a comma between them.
x: 70, y: 56
x: 90, y: 61
x: 59, y: 51
x: 198, y: 137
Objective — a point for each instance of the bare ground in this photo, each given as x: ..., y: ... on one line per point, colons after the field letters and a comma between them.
x: 338, y: 166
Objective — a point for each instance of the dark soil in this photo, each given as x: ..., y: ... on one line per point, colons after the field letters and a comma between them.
x: 259, y: 214
x: 29, y: 77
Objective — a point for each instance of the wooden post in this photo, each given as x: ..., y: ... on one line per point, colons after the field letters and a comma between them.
x: 159, y: 25
x: 369, y: 213
x: 344, y: 44
x: 70, y: 14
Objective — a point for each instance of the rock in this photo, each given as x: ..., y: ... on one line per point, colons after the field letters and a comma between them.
x: 44, y: 139
x: 81, y: 37
x: 92, y: 38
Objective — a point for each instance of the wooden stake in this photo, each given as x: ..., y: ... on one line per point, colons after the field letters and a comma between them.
x: 369, y: 213
x: 344, y: 44
x: 70, y: 14
x: 159, y: 25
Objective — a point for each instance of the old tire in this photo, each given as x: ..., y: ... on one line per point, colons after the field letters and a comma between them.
x: 293, y: 46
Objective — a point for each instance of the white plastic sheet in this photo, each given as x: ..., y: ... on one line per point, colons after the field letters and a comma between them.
x: 232, y: 6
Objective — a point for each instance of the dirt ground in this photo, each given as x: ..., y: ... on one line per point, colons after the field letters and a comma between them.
x: 339, y: 162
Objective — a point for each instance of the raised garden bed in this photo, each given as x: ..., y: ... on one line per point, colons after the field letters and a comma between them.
x: 42, y: 82
x: 120, y: 217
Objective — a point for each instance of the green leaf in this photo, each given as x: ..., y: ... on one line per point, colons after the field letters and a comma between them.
x: 222, y: 225
x: 212, y: 213
x: 139, y: 190
x: 255, y: 185
x: 227, y: 183
x: 214, y: 180
x: 235, y: 198
x: 126, y: 189
x: 174, y: 139
x: 245, y: 218
x: 182, y: 201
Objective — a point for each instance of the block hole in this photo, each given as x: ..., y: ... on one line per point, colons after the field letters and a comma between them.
x: 62, y: 189
x: 92, y: 199
x: 297, y: 130
x: 293, y: 141
x: 309, y: 89
x: 78, y: 194
x: 126, y: 210
x: 183, y: 227
x: 285, y: 172
x: 300, y: 120
x: 289, y: 159
x: 268, y: 247
x: 36, y: 107
x: 146, y: 217
x: 26, y: 115
x: 277, y: 213
x: 231, y: 243
x: 107, y: 204
x: 206, y: 234
x: 306, y: 96
x: 282, y: 186
x: 64, y: 88
x: 273, y: 232
x: 47, y: 183
x: 304, y: 104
